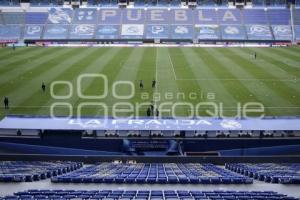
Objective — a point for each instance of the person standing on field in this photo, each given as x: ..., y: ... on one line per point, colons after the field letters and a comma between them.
x: 6, y: 103
x: 43, y: 87
x: 141, y: 84
x: 153, y: 83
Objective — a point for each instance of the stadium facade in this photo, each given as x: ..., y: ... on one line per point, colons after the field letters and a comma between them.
x: 160, y: 23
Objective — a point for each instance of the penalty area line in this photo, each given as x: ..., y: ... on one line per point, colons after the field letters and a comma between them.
x: 236, y: 79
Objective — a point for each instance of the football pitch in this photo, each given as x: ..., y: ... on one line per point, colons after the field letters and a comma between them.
x: 225, y: 77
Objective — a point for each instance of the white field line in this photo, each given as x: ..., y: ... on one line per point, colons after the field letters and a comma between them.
x: 172, y: 66
x: 292, y: 79
x: 238, y: 79
x: 156, y: 74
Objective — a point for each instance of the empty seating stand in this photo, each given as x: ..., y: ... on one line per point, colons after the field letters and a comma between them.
x: 84, y: 23
x: 146, y: 195
x: 153, y: 173
x: 19, y: 171
x: 285, y: 173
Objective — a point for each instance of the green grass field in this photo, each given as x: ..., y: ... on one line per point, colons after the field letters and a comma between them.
x: 221, y: 75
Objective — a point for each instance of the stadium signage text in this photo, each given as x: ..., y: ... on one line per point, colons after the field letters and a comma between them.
x: 154, y: 124
x: 164, y: 15
x: 205, y: 123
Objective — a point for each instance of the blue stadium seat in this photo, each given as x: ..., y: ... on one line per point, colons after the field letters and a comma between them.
x: 285, y: 173
x: 19, y: 171
x: 143, y: 195
x: 153, y: 173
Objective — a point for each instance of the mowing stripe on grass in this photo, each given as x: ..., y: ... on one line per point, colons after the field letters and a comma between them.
x: 71, y: 74
x: 111, y: 70
x: 29, y: 70
x: 202, y: 67
x: 277, y: 59
x: 22, y: 54
x: 13, y: 58
x: 284, y: 52
x: 43, y: 67
x: 18, y: 62
x: 91, y: 86
x: 9, y: 53
x: 241, y: 65
x: 167, y: 82
x: 89, y: 65
x: 220, y: 68
x: 275, y: 71
x: 256, y: 89
x: 33, y: 95
x: 225, y: 71
x: 294, y: 49
x: 127, y: 72
x: 118, y: 67
x: 146, y: 71
x: 181, y: 66
x: 279, y: 70
x: 281, y: 88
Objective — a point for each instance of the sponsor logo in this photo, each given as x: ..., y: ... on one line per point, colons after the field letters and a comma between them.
x: 33, y: 29
x: 56, y: 30
x: 206, y: 30
x: 232, y: 30
x: 181, y: 30
x: 83, y: 29
x: 106, y: 30
x: 85, y: 15
x: 132, y: 29
x: 282, y: 30
x: 157, y: 29
x: 59, y: 16
x: 259, y: 29
x: 230, y: 124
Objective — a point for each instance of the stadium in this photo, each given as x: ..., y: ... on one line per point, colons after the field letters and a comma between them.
x: 150, y: 99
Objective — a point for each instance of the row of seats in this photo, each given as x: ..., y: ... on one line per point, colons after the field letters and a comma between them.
x: 19, y: 171
x: 201, y: 16
x: 285, y: 173
x: 90, y: 23
x: 177, y: 3
x: 139, y: 2
x: 10, y: 3
x: 172, y: 173
x: 45, y: 2
x: 148, y: 195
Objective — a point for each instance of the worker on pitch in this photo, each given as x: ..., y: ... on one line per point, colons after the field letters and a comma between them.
x: 6, y: 103
x: 153, y: 83
x: 43, y: 87
x: 141, y: 84
x: 148, y: 112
